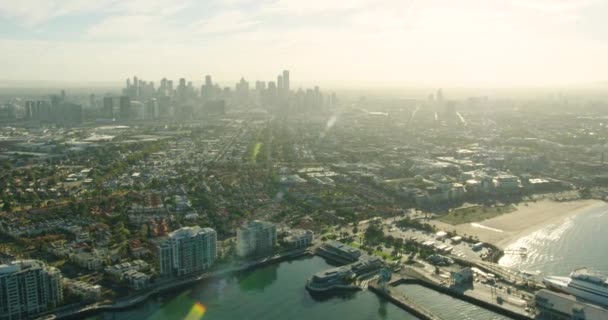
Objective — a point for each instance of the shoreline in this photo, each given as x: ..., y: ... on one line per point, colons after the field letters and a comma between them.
x: 132, y: 301
x: 529, y: 217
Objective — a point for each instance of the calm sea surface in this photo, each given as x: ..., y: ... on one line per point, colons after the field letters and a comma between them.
x: 557, y: 249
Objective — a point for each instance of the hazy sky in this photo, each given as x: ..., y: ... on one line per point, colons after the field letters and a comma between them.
x: 355, y: 41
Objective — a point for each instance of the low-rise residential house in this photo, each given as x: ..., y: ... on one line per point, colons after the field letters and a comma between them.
x: 88, y: 260
x: 136, y: 280
x: 82, y: 236
x: 85, y: 291
x: 118, y: 270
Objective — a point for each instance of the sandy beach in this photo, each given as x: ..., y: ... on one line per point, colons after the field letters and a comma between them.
x: 507, y: 228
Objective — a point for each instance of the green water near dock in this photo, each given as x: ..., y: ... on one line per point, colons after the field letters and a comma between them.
x: 445, y: 306
x: 277, y: 291
x: 270, y: 292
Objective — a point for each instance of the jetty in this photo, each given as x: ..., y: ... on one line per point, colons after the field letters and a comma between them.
x: 401, y: 300
x: 410, y: 276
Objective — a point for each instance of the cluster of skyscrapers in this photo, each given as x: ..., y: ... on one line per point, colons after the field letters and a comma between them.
x: 142, y: 100
x: 57, y: 110
x: 184, y: 101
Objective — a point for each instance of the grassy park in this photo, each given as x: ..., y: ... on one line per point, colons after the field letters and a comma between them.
x: 475, y: 214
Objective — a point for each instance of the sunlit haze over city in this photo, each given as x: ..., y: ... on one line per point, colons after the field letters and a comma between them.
x: 298, y: 160
x: 366, y: 43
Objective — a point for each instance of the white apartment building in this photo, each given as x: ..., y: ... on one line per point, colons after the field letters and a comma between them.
x: 187, y: 250
x: 256, y: 238
x: 27, y: 288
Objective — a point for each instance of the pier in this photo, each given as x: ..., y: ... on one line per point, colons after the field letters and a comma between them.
x: 413, y: 277
x: 402, y: 301
x: 486, y: 298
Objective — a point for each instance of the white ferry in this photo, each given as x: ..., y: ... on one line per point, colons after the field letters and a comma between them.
x: 583, y: 283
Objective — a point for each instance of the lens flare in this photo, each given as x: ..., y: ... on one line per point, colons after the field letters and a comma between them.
x: 197, y: 312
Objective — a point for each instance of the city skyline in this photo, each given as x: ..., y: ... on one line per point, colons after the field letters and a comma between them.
x: 489, y: 43
x: 283, y: 159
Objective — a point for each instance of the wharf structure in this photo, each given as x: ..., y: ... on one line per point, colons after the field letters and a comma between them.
x: 338, y: 252
x: 410, y: 276
x: 345, y: 277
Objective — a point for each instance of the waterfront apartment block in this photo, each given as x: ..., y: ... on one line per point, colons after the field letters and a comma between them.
x: 256, y: 238
x: 187, y: 250
x: 27, y: 288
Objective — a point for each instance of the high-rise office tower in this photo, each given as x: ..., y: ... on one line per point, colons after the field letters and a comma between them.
x: 272, y: 86
x: 92, y: 101
x: 29, y: 107
x: 226, y: 93
x: 137, y: 90
x: 27, y: 288
x: 256, y: 238
x: 242, y: 91
x: 271, y: 94
x: 56, y: 100
x: 124, y: 108
x: 151, y: 109
x: 333, y: 100
x: 181, y: 95
x: 207, y: 90
x: 38, y: 111
x: 67, y: 113
x: 170, y: 86
x: 7, y: 111
x: 439, y: 95
x: 260, y: 86
x: 280, y: 83
x: 187, y: 250
x: 108, y: 107
x: 286, y: 81
x: 162, y: 88
x: 164, y: 106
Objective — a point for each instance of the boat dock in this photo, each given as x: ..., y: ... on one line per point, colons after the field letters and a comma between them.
x: 413, y: 277
x: 402, y: 301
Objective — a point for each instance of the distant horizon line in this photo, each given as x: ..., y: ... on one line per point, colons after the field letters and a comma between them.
x: 337, y: 84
